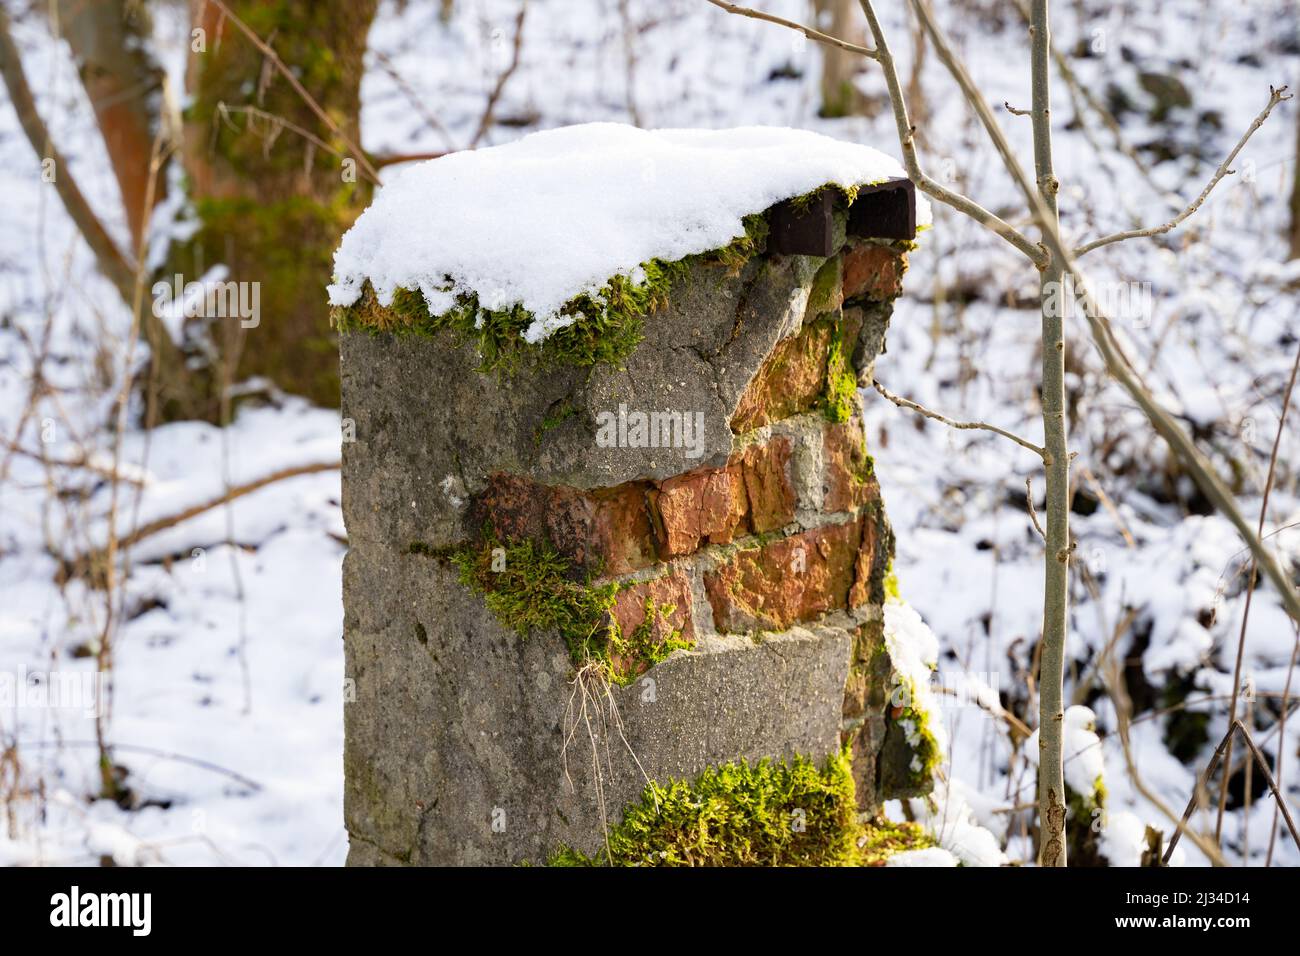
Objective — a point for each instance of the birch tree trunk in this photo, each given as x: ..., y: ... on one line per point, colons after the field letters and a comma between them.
x: 1056, y: 460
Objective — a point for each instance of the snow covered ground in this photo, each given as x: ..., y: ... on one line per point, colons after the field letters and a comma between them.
x: 227, y: 652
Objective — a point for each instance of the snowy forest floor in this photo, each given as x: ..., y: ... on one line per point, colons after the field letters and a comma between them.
x: 228, y: 670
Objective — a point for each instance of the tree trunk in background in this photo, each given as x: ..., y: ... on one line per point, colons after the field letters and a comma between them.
x: 110, y: 42
x: 271, y: 203
x: 843, y: 19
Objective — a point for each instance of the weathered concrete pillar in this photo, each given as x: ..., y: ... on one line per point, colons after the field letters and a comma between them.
x: 570, y: 581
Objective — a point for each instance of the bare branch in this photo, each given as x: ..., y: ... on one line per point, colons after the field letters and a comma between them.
x: 1236, y: 727
x: 984, y: 426
x: 396, y: 159
x: 414, y: 100
x: 1033, y: 512
x: 1084, y: 92
x: 809, y: 32
x: 485, y: 123
x: 1117, y: 363
x: 1250, y: 587
x: 906, y: 132
x: 110, y: 260
x: 1035, y: 253
x: 1113, y: 678
x: 277, y: 123
x: 1281, y: 735
x: 1108, y: 504
x: 973, y: 96
x: 235, y: 491
x: 1275, y: 96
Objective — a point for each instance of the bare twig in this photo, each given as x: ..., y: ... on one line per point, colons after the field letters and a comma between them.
x: 1113, y: 678
x: 485, y: 122
x: 629, y: 62
x: 1108, y: 504
x: 906, y: 132
x: 1103, y: 336
x: 415, y: 101
x: 984, y: 426
x: 1281, y: 736
x: 1275, y: 96
x: 394, y: 159
x: 1056, y: 457
x: 235, y: 491
x: 224, y: 111
x: 809, y: 32
x: 110, y: 260
x: 906, y: 136
x: 1084, y: 92
x: 1235, y: 728
x: 1250, y: 588
x: 239, y: 778
x: 1033, y: 512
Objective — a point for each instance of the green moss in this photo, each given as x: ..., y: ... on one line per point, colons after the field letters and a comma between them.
x: 608, y: 324
x: 915, y: 725
x: 529, y: 586
x: 841, y: 380
x: 1083, y: 824
x: 824, y: 294
x: 649, y: 643
x: 554, y: 418
x: 844, y: 194
x: 740, y: 250
x: 771, y: 813
x: 885, y: 838
x: 891, y: 583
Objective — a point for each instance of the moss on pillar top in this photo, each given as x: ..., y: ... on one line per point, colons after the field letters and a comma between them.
x: 608, y: 324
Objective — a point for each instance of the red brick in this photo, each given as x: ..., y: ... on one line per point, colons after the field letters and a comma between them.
x: 766, y: 470
x: 620, y: 533
x: 671, y: 589
x: 785, y: 582
x: 860, y: 593
x: 607, y: 530
x: 873, y: 271
x: 790, y: 380
x: 848, y: 480
x: 703, y: 506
